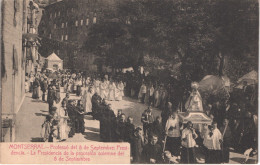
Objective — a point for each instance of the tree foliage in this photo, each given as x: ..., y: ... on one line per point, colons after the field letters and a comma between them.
x: 205, y: 36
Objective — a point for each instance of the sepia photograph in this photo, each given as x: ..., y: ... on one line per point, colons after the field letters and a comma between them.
x: 144, y: 81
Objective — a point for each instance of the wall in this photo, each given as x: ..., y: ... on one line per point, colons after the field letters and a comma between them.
x: 12, y: 84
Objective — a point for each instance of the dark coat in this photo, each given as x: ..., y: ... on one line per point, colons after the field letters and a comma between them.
x: 130, y: 128
x: 51, y: 95
x: 152, y: 152
x: 44, y: 85
x: 227, y: 139
x: 158, y: 130
x: 121, y: 131
x: 137, y: 148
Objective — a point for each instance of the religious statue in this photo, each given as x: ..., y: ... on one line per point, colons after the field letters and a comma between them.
x: 194, y: 102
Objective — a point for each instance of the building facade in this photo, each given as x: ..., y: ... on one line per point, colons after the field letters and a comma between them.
x: 64, y: 28
x: 13, y: 26
x: 19, y: 55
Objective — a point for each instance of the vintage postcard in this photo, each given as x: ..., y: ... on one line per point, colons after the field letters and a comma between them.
x: 129, y: 81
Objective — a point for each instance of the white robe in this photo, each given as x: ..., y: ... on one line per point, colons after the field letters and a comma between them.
x: 96, y: 86
x: 63, y: 128
x: 111, y: 94
x: 212, y: 142
x: 86, y: 100
x: 103, y: 90
x: 120, y: 91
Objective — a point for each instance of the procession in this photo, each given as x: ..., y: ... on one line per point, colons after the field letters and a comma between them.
x: 175, y: 136
x: 176, y: 80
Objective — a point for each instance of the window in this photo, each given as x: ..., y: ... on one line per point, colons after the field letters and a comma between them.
x: 72, y: 9
x: 66, y: 37
x: 51, y: 15
x: 95, y: 19
x: 87, y: 21
x: 66, y: 25
x: 61, y: 37
x: 81, y: 22
x: 55, y: 26
x: 76, y: 23
x: 50, y: 36
x: 62, y: 25
x: 55, y: 15
x: 59, y: 13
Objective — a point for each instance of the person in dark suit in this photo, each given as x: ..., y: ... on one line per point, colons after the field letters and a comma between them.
x: 158, y: 129
x: 166, y: 113
x: 152, y: 152
x: 80, y: 124
x: 147, y: 119
x: 44, y: 87
x: 51, y: 96
x: 71, y: 109
x: 137, y: 145
x: 227, y: 140
x: 121, y: 129
x: 130, y: 128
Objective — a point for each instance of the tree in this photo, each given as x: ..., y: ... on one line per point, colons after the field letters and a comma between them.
x: 203, y: 35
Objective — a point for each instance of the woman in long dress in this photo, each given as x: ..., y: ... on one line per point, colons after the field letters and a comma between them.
x: 36, y: 89
x: 62, y: 125
x: 86, y: 100
x: 120, y: 91
x: 112, y: 88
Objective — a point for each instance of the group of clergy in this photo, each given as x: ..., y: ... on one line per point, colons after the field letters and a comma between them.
x: 109, y: 90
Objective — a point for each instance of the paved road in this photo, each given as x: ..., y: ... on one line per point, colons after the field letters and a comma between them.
x: 32, y: 115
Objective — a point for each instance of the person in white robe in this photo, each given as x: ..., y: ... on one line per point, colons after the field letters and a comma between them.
x: 107, y: 87
x: 103, y: 90
x: 63, y: 129
x: 212, y: 141
x: 86, y: 100
x: 97, y: 86
x: 112, y: 91
x: 87, y: 82
x: 120, y: 91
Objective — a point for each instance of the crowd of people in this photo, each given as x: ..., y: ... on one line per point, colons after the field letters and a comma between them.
x: 162, y: 139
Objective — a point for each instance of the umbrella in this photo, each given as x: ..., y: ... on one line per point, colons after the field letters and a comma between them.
x: 251, y: 78
x: 214, y: 85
